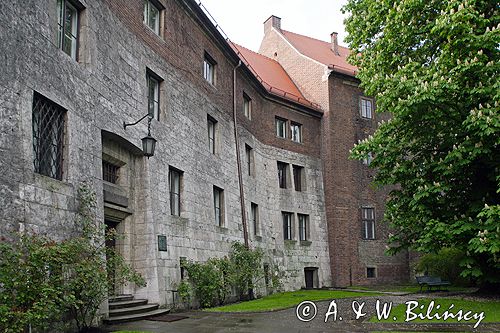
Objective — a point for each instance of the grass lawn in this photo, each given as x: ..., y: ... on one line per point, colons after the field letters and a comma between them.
x: 287, y: 300
x: 411, y: 288
x: 491, y: 311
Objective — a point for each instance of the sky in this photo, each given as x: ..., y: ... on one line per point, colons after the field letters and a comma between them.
x: 243, y: 21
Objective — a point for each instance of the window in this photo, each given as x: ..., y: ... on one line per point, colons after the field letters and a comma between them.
x: 366, y: 108
x: 370, y: 272
x: 249, y: 159
x: 48, y: 137
x: 287, y: 225
x: 254, y: 216
x: 219, y: 206
x: 209, y: 69
x: 67, y: 28
x: 368, y: 220
x: 282, y: 174
x: 153, y: 96
x: 174, y: 179
x: 152, y: 16
x: 280, y: 128
x: 296, y: 130
x: 298, y: 177
x: 182, y: 265
x: 247, y: 106
x: 110, y: 172
x: 303, y: 227
x: 211, y: 124
x: 162, y: 243
x: 368, y: 159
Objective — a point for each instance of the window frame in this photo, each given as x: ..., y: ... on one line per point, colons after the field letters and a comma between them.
x: 364, y: 111
x: 293, y: 134
x: 281, y: 123
x: 254, y: 217
x: 298, y: 177
x: 247, y: 106
x: 368, y: 221
x: 218, y: 197
x: 146, y: 16
x: 110, y: 172
x: 368, y: 159
x: 212, y: 129
x: 304, y: 227
x: 373, y: 270
x: 209, y: 69
x: 287, y: 225
x: 155, y: 101
x: 174, y: 172
x: 75, y: 27
x: 282, y: 174
x: 249, y: 155
x: 43, y: 147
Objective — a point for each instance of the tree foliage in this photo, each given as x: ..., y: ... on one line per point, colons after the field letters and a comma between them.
x: 434, y: 66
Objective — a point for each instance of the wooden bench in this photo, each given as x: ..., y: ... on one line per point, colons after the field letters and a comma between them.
x: 431, y: 281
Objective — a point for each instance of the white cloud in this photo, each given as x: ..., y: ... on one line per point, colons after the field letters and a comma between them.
x: 243, y: 21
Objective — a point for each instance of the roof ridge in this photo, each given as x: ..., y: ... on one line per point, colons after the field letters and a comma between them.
x: 316, y: 39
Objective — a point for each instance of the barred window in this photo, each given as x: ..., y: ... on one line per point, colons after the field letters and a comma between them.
x: 110, y: 172
x: 48, y: 136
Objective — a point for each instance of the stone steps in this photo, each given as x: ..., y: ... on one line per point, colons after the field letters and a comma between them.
x: 125, y: 308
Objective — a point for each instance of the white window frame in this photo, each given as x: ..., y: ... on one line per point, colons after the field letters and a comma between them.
x: 209, y: 69
x: 62, y: 32
x: 151, y: 8
x: 366, y: 107
x: 281, y: 125
x: 296, y: 132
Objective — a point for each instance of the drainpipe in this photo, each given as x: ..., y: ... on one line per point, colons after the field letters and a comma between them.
x: 238, y: 160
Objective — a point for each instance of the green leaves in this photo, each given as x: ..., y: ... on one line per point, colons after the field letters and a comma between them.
x: 434, y: 66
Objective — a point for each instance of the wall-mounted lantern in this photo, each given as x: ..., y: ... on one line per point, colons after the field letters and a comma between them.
x: 148, y: 142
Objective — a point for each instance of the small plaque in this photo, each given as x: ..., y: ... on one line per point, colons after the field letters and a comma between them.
x: 162, y: 243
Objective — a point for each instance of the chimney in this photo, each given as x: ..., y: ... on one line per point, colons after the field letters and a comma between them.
x: 272, y: 22
x: 335, y: 43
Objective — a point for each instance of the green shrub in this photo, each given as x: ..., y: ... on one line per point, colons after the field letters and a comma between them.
x: 43, y: 281
x: 211, y: 282
x: 445, y: 264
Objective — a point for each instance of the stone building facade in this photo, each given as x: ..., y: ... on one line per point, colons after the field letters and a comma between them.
x: 231, y: 146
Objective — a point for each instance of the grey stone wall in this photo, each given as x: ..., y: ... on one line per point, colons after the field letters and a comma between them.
x: 104, y: 88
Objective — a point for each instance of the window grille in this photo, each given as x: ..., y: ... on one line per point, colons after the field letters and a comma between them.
x: 48, y: 137
x: 110, y: 172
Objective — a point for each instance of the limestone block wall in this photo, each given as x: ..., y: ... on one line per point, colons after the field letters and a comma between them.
x: 107, y: 86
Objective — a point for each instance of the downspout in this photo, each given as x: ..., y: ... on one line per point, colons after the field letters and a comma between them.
x: 238, y: 160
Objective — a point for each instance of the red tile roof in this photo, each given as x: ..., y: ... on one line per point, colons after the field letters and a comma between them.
x: 272, y: 76
x: 321, y: 51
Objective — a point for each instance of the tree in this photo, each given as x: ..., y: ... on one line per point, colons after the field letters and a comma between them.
x: 434, y: 66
